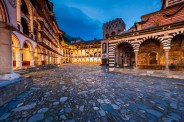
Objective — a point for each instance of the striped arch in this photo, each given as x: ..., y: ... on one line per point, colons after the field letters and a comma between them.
x: 175, y: 34
x: 167, y: 40
x: 150, y: 37
x: 122, y: 41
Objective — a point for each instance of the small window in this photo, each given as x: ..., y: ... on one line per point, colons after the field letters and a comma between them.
x: 107, y: 35
x: 113, y: 33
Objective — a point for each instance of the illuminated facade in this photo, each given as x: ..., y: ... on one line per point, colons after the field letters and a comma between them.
x: 30, y: 35
x: 157, y: 42
x: 85, y: 52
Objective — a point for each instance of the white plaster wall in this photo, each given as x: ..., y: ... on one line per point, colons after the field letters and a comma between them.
x: 12, y: 13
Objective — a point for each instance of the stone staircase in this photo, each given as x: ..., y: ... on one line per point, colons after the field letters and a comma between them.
x: 34, y: 69
x: 21, y: 71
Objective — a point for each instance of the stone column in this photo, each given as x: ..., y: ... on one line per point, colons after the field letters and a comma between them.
x: 166, y: 59
x: 6, y: 65
x: 85, y: 54
x: 71, y: 56
x: 107, y: 49
x: 40, y: 58
x: 93, y: 55
x: 19, y: 58
x: 6, y: 61
x: 68, y: 56
x: 32, y: 59
x: 47, y: 58
x: 65, y: 56
x: 18, y: 4
x: 81, y: 53
x: 58, y: 60
x: 136, y: 58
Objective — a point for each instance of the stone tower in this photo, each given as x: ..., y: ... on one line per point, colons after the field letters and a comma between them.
x: 113, y: 27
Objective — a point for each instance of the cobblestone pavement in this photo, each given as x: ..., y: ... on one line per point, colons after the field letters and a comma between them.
x: 85, y: 93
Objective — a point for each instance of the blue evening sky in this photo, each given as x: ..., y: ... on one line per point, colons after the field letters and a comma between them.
x: 85, y: 18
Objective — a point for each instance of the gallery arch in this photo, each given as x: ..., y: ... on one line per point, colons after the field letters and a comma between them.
x: 151, y: 54
x: 176, y: 53
x: 125, y: 56
x: 27, y: 54
x: 16, y: 51
x: 25, y: 26
x: 37, y: 56
x: 24, y: 7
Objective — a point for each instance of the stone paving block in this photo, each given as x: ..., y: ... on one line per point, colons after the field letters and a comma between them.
x: 88, y: 93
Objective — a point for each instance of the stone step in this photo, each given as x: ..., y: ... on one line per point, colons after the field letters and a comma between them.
x: 21, y: 71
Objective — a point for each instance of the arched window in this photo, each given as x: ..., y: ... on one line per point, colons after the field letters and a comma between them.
x: 113, y: 33
x: 35, y: 34
x: 25, y: 26
x: 24, y: 8
x: 33, y: 3
x: 107, y: 35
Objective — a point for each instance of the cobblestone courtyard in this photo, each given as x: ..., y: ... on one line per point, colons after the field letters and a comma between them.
x: 85, y: 93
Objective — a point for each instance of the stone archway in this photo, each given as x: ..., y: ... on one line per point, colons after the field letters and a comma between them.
x: 151, y: 54
x: 176, y: 53
x: 27, y: 54
x: 37, y: 56
x: 125, y: 56
x: 6, y: 65
x: 24, y: 8
x: 16, y: 52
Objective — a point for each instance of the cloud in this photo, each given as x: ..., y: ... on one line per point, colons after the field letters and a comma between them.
x: 75, y: 23
x: 84, y: 18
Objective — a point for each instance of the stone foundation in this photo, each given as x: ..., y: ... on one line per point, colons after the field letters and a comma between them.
x: 10, y: 89
x: 152, y: 73
x: 36, y: 69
